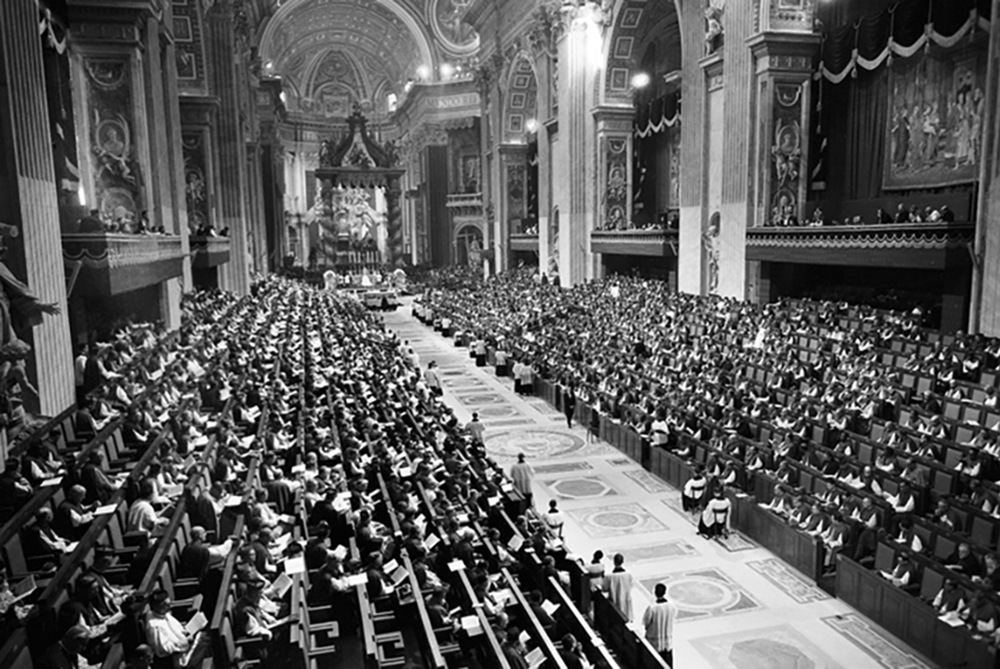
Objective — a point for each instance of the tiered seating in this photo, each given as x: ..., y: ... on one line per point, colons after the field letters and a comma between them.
x: 799, y: 397
x: 144, y: 563
x: 336, y: 392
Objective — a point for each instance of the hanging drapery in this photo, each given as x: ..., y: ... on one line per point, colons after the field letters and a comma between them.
x: 902, y: 30
x: 656, y: 116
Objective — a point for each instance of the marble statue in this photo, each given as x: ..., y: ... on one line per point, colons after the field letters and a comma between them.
x: 714, y: 31
x: 17, y: 302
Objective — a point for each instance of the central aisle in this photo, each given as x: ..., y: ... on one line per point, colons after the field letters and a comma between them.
x: 739, y: 607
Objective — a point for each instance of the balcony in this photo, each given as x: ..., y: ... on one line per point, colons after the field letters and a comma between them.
x: 657, y: 243
x: 208, y: 252
x: 111, y: 264
x: 523, y: 242
x: 909, y: 245
x: 465, y: 204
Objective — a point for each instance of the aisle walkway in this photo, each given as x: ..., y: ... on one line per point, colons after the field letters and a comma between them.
x: 739, y: 607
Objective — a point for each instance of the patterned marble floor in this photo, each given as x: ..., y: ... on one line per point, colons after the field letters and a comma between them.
x: 739, y: 606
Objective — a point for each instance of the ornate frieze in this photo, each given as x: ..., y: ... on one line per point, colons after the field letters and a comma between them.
x: 110, y: 135
x: 786, y: 144
x: 197, y: 187
x: 788, y: 15
x: 615, y: 198
x: 902, y: 236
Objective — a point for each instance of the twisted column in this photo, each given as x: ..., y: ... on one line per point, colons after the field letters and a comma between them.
x: 394, y: 222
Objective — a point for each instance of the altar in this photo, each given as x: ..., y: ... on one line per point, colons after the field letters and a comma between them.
x: 359, y: 209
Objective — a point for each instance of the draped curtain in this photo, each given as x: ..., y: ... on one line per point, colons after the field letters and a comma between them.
x: 856, y: 132
x: 657, y: 115
x: 900, y: 30
x: 852, y: 104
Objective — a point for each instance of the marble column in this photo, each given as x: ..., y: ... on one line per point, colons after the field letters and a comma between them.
x: 229, y: 150
x: 255, y: 209
x: 394, y: 222
x: 165, y: 170
x: 984, y: 312
x: 511, y: 202
x: 546, y: 128
x: 782, y: 51
x: 485, y: 169
x: 493, y: 176
x: 579, y: 56
x: 694, y: 94
x: 30, y: 202
x: 614, y: 160
x: 783, y: 104
x: 735, y: 170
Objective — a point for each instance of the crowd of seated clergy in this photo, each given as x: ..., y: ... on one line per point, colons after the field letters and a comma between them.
x: 325, y: 437
x: 162, y: 391
x: 902, y: 214
x: 677, y: 368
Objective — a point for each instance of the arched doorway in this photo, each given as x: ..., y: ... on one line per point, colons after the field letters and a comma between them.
x: 469, y: 246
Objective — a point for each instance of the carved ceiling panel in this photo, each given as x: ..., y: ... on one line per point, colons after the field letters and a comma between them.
x: 335, y: 52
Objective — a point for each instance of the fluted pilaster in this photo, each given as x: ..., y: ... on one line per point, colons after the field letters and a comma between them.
x: 34, y: 206
x: 735, y: 169
x: 229, y: 151
x: 574, y: 179
x: 984, y: 313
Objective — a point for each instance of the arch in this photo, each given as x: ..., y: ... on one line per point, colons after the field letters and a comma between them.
x: 287, y: 10
x: 520, y: 98
x: 634, y: 24
x: 464, y: 235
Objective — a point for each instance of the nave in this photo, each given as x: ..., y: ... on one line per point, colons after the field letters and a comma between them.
x: 740, y: 606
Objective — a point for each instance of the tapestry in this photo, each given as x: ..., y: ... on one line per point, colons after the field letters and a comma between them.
x: 935, y: 120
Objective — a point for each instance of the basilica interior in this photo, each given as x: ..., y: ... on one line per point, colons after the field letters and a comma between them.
x: 756, y: 151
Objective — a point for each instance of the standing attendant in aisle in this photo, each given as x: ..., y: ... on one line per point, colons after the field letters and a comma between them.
x: 520, y: 476
x: 618, y: 585
x: 658, y: 620
x: 569, y: 404
x: 432, y: 379
x: 500, y: 358
x: 476, y: 428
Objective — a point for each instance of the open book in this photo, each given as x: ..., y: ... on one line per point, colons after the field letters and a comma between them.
x: 281, y: 585
x: 535, y: 658
x: 398, y: 576
x: 431, y: 541
x: 197, y: 623
x: 24, y: 588
x: 295, y: 565
x: 549, y: 607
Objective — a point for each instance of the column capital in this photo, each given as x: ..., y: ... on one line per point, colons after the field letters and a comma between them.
x: 199, y: 109
x: 614, y: 118
x: 508, y: 150
x: 784, y: 51
x: 122, y: 22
